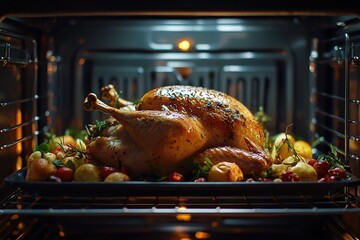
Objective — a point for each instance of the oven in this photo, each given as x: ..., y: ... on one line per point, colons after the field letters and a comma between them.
x: 300, y: 63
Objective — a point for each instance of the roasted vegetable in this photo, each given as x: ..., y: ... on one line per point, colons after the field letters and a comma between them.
x: 304, y: 171
x: 117, y: 177
x: 87, y: 173
x: 40, y: 166
x: 282, y: 147
x: 225, y: 172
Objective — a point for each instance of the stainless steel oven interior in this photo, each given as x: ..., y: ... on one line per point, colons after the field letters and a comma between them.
x: 302, y: 68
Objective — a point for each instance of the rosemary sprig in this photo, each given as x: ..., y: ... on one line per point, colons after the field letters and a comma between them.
x: 261, y: 117
x: 332, y: 158
x: 95, y: 130
x: 291, y: 147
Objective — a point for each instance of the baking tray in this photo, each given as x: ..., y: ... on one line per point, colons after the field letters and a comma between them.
x: 143, y: 188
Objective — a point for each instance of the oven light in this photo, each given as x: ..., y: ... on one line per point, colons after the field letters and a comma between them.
x: 183, y: 217
x: 20, y: 226
x: 202, y: 235
x: 61, y: 233
x: 81, y: 61
x: 184, y: 45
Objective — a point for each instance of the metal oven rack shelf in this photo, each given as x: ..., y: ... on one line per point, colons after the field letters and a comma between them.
x: 181, y: 209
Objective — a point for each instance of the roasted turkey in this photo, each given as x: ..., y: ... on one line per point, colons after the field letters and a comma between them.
x: 172, y: 126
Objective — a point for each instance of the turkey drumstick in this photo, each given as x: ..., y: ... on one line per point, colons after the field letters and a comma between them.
x: 169, y: 138
x: 109, y: 92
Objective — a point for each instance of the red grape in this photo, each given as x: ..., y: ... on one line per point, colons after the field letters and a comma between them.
x: 322, y: 168
x: 124, y: 170
x: 332, y: 179
x: 311, y: 162
x: 66, y: 174
x: 106, y: 171
x: 338, y: 173
x: 289, y: 176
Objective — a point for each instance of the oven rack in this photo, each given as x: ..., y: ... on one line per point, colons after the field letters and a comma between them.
x: 12, y: 51
x: 341, y: 202
x: 33, y: 216
x: 337, y: 60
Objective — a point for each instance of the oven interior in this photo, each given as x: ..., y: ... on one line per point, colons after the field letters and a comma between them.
x: 302, y: 69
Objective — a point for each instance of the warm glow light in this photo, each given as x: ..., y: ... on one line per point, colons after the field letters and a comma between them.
x: 18, y: 136
x: 19, y: 163
x: 214, y: 224
x: 183, y: 217
x: 20, y: 226
x: 184, y: 45
x: 61, y: 233
x: 14, y: 217
x: 81, y: 61
x: 202, y: 235
x: 181, y: 208
x: 18, y: 130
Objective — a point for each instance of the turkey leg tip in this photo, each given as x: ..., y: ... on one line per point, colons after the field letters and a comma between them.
x: 109, y: 92
x: 90, y: 101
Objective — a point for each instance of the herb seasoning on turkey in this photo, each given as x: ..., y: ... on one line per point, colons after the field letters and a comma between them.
x: 172, y: 126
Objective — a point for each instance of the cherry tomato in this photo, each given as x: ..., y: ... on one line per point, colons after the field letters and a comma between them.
x: 175, y: 177
x: 66, y: 174
x: 332, y: 179
x: 56, y: 151
x: 337, y: 172
x: 311, y: 161
x: 322, y: 168
x: 289, y: 176
x: 329, y: 178
x: 106, y: 171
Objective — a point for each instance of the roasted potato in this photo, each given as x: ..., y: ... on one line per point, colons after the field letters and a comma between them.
x: 117, y: 177
x: 87, y: 173
x: 225, y: 172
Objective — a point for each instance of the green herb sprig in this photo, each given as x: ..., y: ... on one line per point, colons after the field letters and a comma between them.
x: 43, y: 148
x: 261, y: 117
x: 95, y: 130
x: 287, y: 141
x: 332, y: 158
x: 202, y: 170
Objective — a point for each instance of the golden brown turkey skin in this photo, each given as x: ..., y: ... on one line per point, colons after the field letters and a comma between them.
x: 172, y: 125
x: 251, y: 162
x: 225, y: 120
